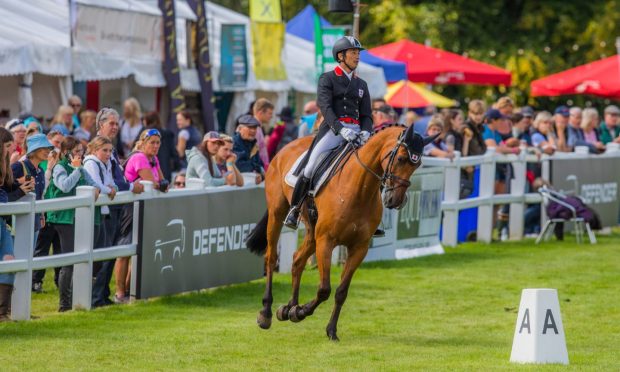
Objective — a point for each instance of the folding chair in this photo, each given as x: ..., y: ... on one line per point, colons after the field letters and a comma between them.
x: 579, y: 223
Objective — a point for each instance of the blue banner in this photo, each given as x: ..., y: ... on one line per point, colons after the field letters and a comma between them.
x: 234, y: 57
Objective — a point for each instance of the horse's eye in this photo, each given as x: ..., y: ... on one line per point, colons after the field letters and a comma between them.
x: 401, y: 159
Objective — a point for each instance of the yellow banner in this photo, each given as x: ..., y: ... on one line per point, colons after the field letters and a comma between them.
x: 268, y: 43
x: 265, y: 11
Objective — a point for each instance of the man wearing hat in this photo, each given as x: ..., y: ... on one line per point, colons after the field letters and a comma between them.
x: 344, y: 101
x: 246, y: 147
x: 610, y: 130
x: 382, y: 116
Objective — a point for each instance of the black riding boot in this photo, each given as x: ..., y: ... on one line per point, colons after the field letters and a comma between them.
x: 299, y: 193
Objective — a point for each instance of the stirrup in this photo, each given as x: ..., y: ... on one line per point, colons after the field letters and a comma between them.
x: 292, y: 218
x: 379, y: 233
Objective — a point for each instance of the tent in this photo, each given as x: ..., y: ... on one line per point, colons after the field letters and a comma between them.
x: 600, y: 78
x: 436, y: 66
x: 302, y: 26
x: 405, y: 94
x: 35, y: 56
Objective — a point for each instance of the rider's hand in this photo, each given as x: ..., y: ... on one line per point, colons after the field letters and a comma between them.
x: 363, y: 137
x: 348, y: 134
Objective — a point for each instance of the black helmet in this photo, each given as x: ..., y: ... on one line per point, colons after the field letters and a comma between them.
x: 345, y: 43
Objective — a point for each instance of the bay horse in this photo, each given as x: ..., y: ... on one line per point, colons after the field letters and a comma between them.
x: 349, y: 211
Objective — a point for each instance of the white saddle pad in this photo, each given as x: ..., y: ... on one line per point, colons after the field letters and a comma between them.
x: 291, y: 179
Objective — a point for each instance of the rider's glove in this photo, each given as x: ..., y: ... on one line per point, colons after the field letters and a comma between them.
x: 348, y: 134
x: 363, y: 137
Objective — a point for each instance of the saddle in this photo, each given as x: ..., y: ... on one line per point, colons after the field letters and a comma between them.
x: 329, y: 163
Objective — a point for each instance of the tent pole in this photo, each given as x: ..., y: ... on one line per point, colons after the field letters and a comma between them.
x: 356, y: 19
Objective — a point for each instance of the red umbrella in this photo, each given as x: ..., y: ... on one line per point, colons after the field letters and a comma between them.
x: 600, y: 78
x: 436, y: 66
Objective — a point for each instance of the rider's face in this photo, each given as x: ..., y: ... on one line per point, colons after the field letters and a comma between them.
x: 352, y: 58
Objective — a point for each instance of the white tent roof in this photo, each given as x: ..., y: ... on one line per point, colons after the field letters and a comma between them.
x: 34, y: 37
x: 302, y: 71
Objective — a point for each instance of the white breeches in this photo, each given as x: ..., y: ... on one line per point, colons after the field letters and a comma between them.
x: 328, y: 142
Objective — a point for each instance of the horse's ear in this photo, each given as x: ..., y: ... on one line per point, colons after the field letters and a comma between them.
x: 430, y: 139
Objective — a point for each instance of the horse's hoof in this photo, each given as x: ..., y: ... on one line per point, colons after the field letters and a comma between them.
x: 296, y: 314
x: 263, y: 321
x: 332, y: 335
x: 282, y: 313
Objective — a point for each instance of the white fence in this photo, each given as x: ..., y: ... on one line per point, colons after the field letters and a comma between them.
x: 84, y: 203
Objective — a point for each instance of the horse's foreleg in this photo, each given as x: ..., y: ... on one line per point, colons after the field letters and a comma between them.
x: 299, y: 263
x: 274, y: 227
x: 354, y: 259
x: 323, y: 258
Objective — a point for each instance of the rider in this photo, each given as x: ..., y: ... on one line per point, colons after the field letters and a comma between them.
x: 344, y: 101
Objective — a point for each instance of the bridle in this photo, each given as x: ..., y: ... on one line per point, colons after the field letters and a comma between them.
x: 388, y: 173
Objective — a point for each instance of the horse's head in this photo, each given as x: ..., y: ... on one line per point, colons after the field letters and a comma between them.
x: 399, y: 164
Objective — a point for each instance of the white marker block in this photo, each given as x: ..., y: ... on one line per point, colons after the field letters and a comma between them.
x: 539, y: 334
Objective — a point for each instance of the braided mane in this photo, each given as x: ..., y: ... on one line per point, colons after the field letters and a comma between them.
x: 385, y: 126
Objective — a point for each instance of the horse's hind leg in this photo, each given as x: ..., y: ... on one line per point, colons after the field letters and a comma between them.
x: 299, y: 263
x: 274, y: 227
x: 323, y: 258
x: 354, y: 259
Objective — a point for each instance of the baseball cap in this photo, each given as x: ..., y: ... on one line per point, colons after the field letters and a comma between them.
x: 612, y: 109
x: 527, y: 112
x: 386, y: 109
x: 494, y: 114
x: 249, y: 121
x: 212, y: 136
x: 38, y: 141
x: 562, y: 110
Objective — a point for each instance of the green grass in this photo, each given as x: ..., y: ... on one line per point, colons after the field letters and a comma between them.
x: 450, y: 312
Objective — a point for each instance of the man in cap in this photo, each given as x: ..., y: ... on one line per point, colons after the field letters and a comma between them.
x: 344, y: 101
x: 610, y: 130
x: 382, y: 116
x: 246, y: 147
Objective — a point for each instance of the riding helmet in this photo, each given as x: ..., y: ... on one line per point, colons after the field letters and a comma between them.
x: 345, y: 43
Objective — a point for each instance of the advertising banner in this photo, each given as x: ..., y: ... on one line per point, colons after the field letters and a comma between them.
x: 196, y: 242
x: 204, y: 66
x: 594, y: 179
x: 171, y: 64
x: 267, y: 44
x: 233, y: 57
x: 265, y: 11
x: 413, y: 230
x: 325, y: 38
x: 114, y: 32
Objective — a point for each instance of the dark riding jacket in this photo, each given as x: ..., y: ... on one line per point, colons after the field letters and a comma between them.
x: 341, y: 99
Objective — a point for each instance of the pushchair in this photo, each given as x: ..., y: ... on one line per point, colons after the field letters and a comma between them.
x: 562, y: 208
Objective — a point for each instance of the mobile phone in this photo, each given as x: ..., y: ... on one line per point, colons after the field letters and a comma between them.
x: 28, y: 177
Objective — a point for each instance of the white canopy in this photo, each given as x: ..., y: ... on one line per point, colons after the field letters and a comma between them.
x: 301, y: 69
x: 34, y: 37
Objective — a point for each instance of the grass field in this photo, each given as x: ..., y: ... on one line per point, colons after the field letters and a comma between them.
x: 450, y: 312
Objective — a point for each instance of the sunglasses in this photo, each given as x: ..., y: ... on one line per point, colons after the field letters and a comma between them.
x: 179, y: 183
x: 151, y: 133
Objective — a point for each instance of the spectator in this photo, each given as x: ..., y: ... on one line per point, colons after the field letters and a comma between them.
x: 381, y: 117
x: 63, y: 121
x: 492, y: 137
x: 86, y: 129
x: 142, y: 164
x: 32, y: 123
x: 474, y: 124
x: 263, y: 112
x: 410, y: 118
x: 307, y: 120
x: 188, y: 136
x: 167, y: 155
x: 561, y: 117
x: 18, y: 130
x: 521, y: 128
x: 574, y: 132
x: 528, y: 115
x: 131, y: 126
x: 179, y: 181
x: 589, y: 123
x: 505, y: 105
x: 67, y: 175
x: 610, y: 130
x: 543, y: 138
x: 75, y: 103
x: 246, y: 148
x: 377, y: 103
x: 437, y: 148
x: 118, y: 226
x: 289, y: 133
x: 454, y: 133
x: 420, y: 125
x: 225, y: 160
x: 200, y: 162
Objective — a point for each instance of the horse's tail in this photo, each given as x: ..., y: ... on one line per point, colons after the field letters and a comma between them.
x: 257, y: 239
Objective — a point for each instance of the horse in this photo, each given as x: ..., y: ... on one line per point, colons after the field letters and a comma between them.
x: 349, y: 211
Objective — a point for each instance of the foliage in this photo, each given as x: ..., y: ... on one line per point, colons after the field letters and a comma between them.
x: 451, y: 312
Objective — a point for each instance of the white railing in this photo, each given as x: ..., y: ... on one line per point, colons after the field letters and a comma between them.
x: 84, y: 255
x: 517, y: 198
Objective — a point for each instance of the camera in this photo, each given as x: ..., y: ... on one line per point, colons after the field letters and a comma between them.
x: 163, y: 185
x: 28, y: 177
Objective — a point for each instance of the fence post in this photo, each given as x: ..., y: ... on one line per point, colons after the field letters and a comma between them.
x: 452, y: 188
x: 487, y: 189
x: 23, y: 249
x: 546, y: 175
x: 148, y: 193
x: 84, y: 240
x: 517, y: 188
